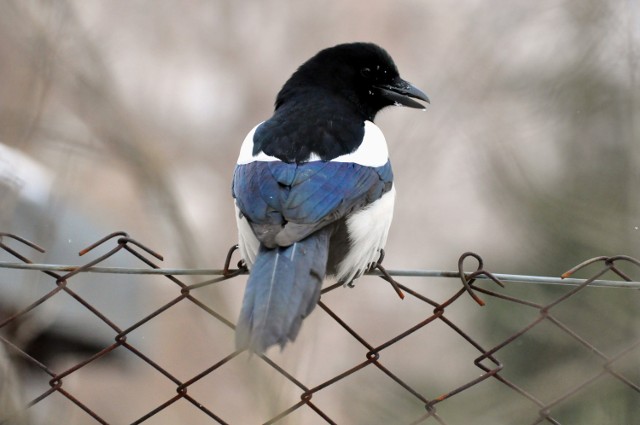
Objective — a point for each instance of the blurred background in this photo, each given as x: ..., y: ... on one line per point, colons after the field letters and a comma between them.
x: 129, y: 116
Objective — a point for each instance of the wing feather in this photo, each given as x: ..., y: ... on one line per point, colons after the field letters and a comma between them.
x: 285, y: 202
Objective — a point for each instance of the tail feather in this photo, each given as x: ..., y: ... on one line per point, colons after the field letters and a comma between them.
x: 283, y: 288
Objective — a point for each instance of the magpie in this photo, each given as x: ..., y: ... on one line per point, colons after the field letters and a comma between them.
x: 313, y: 187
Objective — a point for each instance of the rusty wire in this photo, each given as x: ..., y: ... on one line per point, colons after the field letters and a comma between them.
x: 487, y: 360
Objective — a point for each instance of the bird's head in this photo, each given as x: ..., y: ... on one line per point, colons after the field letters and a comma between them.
x: 363, y: 74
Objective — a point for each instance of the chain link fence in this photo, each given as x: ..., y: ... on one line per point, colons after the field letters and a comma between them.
x: 382, y: 374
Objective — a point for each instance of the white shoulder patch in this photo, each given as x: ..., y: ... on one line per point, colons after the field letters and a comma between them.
x: 246, y: 150
x: 372, y: 152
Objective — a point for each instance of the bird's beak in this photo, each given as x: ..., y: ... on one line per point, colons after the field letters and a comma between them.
x: 402, y: 93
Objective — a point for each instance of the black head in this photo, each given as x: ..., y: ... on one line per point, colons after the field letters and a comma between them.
x: 363, y: 74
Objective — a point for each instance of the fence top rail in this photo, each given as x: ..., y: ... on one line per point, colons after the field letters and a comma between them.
x: 506, y: 278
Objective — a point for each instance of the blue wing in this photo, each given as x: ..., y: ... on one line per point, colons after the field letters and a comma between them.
x: 285, y: 202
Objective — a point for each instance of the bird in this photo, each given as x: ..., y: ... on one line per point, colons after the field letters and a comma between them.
x: 313, y: 188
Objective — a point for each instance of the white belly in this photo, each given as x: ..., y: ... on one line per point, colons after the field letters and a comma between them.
x: 248, y: 244
x: 368, y: 230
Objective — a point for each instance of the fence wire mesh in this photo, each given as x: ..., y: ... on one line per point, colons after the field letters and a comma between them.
x: 612, y: 368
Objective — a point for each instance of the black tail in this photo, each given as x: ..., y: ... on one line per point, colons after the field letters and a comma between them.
x: 283, y: 288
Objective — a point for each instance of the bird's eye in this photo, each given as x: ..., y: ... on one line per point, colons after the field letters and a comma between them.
x: 366, y: 72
